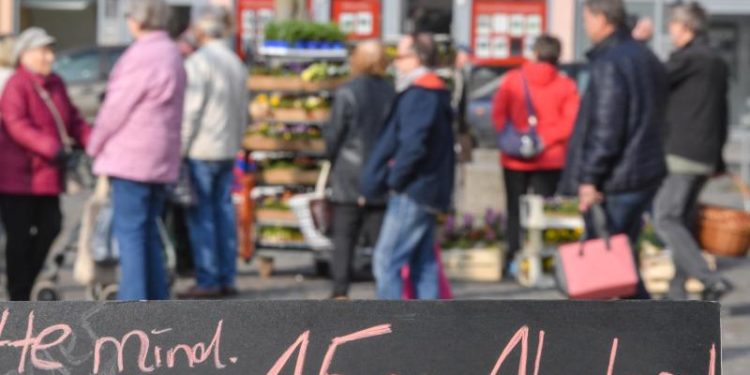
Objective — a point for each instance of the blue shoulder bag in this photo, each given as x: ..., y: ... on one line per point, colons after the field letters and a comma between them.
x: 517, y: 144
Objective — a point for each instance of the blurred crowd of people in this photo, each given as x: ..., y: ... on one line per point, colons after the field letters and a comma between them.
x: 643, y: 131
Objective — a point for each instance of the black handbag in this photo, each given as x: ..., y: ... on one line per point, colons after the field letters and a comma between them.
x: 78, y: 165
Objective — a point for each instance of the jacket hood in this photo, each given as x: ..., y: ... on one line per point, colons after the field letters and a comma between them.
x: 430, y: 81
x: 539, y: 73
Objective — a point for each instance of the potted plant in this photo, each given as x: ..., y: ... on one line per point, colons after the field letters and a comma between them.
x: 472, y: 249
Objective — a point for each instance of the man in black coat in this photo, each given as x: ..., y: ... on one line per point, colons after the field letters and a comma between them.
x: 696, y: 131
x: 615, y: 157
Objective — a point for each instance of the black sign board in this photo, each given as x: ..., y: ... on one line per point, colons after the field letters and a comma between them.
x: 361, y: 338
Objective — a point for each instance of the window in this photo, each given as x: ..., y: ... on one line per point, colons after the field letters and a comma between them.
x: 433, y: 16
x: 111, y: 57
x: 79, y: 67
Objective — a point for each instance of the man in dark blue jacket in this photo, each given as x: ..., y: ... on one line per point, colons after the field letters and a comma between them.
x: 414, y: 160
x: 616, y: 156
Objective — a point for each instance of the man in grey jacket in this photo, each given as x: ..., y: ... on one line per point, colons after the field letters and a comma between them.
x: 214, y: 122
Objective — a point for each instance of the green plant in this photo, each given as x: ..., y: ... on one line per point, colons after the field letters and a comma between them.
x: 273, y: 31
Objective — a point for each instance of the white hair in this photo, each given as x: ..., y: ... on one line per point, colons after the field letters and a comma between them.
x: 212, y: 21
x: 150, y: 14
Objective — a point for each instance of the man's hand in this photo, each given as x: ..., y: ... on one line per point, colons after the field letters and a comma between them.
x: 362, y: 201
x: 588, y: 196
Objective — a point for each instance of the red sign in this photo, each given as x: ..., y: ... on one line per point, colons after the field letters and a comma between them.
x: 503, y: 32
x: 252, y: 18
x: 360, y: 19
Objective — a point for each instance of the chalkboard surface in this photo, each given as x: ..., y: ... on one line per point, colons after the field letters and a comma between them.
x: 361, y: 338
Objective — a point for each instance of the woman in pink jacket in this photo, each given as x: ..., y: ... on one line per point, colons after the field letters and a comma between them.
x: 32, y: 158
x: 136, y: 143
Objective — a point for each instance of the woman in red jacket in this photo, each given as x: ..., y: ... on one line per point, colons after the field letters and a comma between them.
x: 555, y: 100
x: 32, y: 159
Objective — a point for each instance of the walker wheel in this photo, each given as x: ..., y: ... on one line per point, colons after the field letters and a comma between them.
x: 109, y: 293
x: 45, y: 291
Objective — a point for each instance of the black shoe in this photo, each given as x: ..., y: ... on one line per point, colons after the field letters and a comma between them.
x: 716, y: 291
x: 229, y: 291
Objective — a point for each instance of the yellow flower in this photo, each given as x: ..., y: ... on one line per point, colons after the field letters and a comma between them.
x: 275, y: 100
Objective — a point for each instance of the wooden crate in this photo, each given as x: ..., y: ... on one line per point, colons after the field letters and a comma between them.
x: 485, y: 265
x: 326, y: 85
x: 275, y: 215
x: 273, y: 83
x: 260, y: 143
x: 289, y: 176
x: 300, y: 115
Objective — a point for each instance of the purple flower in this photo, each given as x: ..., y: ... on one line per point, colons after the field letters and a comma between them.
x: 450, y: 225
x: 468, y: 221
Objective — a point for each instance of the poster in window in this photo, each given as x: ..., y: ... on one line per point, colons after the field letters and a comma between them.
x: 500, y: 23
x: 265, y: 16
x: 506, y: 28
x: 483, y: 48
x: 528, y: 46
x: 517, y: 25
x: 534, y: 25
x: 347, y: 22
x: 484, y: 24
x: 364, y: 23
x: 500, y: 47
x: 248, y: 20
x: 359, y: 19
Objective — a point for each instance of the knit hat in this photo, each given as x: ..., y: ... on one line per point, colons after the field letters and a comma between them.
x: 31, y: 38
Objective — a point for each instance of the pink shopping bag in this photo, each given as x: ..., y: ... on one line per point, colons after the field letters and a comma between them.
x: 444, y: 284
x: 598, y: 269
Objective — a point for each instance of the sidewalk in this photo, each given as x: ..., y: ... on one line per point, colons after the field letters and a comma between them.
x: 294, y: 280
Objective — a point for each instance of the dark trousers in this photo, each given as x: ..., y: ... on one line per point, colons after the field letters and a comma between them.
x: 675, y: 212
x: 350, y: 224
x: 625, y: 216
x: 518, y: 183
x: 32, y: 223
x: 176, y: 220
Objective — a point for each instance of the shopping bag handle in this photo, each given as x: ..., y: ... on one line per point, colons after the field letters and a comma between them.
x: 599, y: 219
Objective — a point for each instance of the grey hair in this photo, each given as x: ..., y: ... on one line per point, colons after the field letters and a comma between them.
x: 213, y: 21
x: 150, y: 14
x: 612, y: 10
x: 692, y: 15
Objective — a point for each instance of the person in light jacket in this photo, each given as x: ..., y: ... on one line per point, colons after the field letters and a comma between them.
x: 359, y: 112
x: 136, y: 143
x: 215, y: 118
x: 32, y: 158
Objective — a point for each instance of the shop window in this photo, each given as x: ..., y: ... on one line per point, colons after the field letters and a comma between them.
x: 79, y: 67
x: 433, y: 16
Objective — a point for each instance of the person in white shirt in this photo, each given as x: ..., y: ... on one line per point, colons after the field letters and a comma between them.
x: 214, y: 122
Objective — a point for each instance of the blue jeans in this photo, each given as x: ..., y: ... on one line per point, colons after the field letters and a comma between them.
x: 407, y: 237
x: 137, y: 208
x: 213, y: 229
x: 625, y: 215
